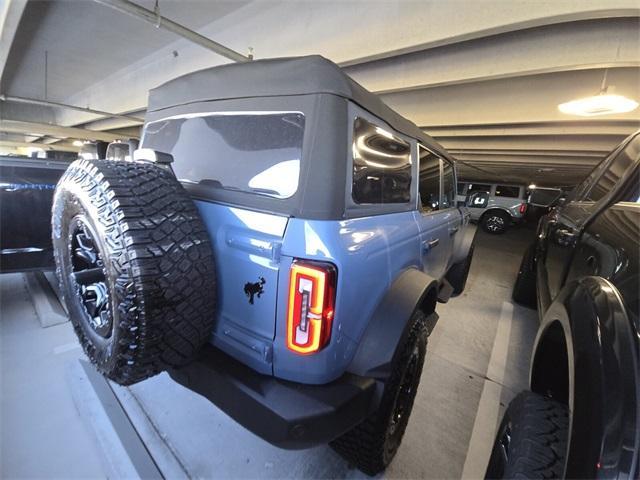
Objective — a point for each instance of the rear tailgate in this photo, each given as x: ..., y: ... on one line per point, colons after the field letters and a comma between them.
x: 247, y: 255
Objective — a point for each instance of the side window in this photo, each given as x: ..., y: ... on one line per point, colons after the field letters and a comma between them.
x: 479, y: 187
x: 614, y: 172
x: 448, y: 185
x: 381, y: 165
x: 506, y: 191
x: 429, y: 181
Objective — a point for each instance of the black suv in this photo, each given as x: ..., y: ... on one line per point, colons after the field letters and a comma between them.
x: 581, y: 417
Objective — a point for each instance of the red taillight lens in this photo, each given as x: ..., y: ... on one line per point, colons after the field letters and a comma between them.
x: 523, y: 208
x: 312, y: 293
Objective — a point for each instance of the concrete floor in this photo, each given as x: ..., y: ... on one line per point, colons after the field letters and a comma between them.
x: 477, y: 360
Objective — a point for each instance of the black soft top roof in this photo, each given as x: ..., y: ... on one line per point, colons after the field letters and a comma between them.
x: 276, y: 77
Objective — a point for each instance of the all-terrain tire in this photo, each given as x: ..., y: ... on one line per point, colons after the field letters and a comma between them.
x: 458, y: 273
x: 538, y: 428
x: 524, y: 289
x: 372, y: 445
x: 135, y: 266
x: 495, y: 222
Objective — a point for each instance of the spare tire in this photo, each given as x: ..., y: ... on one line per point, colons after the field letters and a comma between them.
x: 135, y: 266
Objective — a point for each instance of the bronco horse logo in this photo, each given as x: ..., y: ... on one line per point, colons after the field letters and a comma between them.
x: 251, y: 289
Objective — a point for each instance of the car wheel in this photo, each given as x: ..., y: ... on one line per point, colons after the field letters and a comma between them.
x: 458, y: 273
x: 531, y: 440
x: 495, y: 222
x: 524, y: 290
x: 372, y: 445
x: 135, y: 267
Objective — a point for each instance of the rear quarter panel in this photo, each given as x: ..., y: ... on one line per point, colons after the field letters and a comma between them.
x: 369, y: 254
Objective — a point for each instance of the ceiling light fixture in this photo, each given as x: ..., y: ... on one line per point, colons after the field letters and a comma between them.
x: 77, y: 143
x: 532, y: 186
x: 604, y: 103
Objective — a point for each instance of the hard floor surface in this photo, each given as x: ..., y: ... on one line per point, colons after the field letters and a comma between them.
x: 477, y: 361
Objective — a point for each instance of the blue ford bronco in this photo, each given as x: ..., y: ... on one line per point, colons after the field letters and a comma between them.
x: 278, y: 245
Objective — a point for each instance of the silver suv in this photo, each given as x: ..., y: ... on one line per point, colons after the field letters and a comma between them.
x: 507, y: 205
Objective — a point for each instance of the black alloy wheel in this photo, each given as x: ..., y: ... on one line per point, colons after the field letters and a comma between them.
x: 403, y: 404
x: 89, y: 279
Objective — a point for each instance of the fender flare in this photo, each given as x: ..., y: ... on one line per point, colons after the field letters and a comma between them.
x: 461, y: 247
x: 494, y: 208
x: 388, y: 326
x: 603, y: 387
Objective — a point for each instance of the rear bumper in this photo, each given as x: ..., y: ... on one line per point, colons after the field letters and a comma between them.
x: 287, y: 414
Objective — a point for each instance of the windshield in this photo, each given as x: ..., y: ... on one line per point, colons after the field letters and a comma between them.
x: 255, y: 152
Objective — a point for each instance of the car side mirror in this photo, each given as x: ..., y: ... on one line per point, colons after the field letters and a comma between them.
x: 151, y: 155
x: 477, y: 200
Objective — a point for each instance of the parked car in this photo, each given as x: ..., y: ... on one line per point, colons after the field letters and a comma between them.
x: 26, y: 195
x: 278, y: 246
x: 581, y: 418
x: 507, y: 205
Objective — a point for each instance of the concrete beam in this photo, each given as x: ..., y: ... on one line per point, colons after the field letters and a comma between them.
x: 322, y: 28
x: 41, y: 129
x: 10, y: 15
x: 16, y: 144
x: 613, y: 43
x: 591, y: 128
x: 576, y: 144
x: 518, y: 100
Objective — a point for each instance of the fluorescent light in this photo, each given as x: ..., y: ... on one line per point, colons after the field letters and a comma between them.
x: 77, y: 143
x: 604, y: 104
x: 532, y: 186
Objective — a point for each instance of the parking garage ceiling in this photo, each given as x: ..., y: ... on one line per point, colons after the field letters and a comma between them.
x: 483, y: 78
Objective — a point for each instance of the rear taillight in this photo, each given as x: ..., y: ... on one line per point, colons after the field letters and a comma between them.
x: 312, y: 293
x: 523, y: 208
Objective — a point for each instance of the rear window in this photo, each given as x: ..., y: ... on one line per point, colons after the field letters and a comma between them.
x: 381, y: 165
x: 250, y: 152
x: 506, y: 191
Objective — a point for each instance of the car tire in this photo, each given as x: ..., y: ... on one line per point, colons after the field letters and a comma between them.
x: 458, y: 273
x: 532, y: 439
x: 372, y: 445
x: 495, y: 222
x: 135, y: 267
x: 524, y: 290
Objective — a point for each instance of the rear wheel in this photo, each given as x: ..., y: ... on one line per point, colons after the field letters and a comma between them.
x: 495, y: 221
x: 372, y: 445
x: 532, y: 439
x: 135, y: 267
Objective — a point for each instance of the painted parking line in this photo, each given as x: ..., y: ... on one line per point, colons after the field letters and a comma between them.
x: 487, y: 416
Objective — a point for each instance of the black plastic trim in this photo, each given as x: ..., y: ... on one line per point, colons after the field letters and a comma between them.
x: 286, y: 414
x: 387, y: 328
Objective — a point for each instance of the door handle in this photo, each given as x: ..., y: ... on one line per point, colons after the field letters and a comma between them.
x: 566, y: 237
x: 426, y: 246
x: 453, y: 231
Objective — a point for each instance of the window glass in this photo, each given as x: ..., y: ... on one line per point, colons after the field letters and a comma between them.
x: 614, y: 172
x: 118, y: 151
x: 255, y: 152
x: 429, y: 181
x: 506, y: 191
x: 448, y: 185
x: 478, y: 187
x: 381, y: 165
